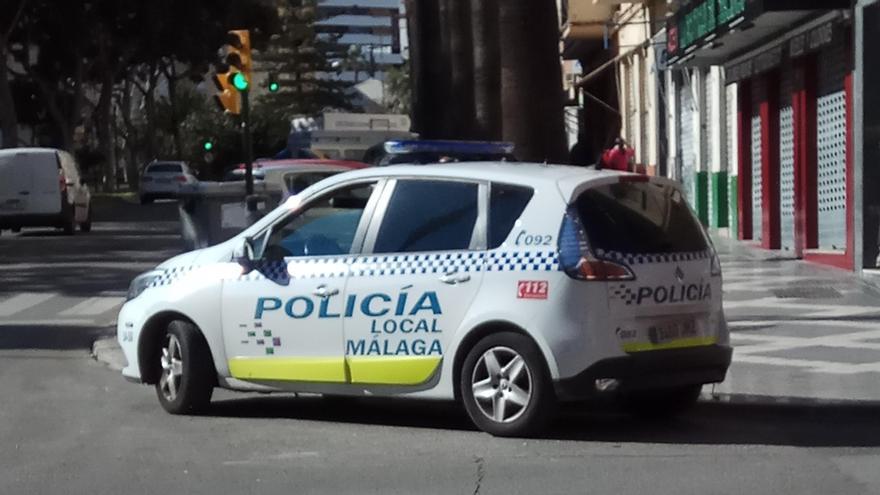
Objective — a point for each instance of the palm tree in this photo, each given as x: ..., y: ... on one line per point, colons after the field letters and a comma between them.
x: 461, y: 68
x: 531, y: 79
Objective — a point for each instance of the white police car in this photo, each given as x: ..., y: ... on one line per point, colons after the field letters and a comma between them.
x: 507, y: 286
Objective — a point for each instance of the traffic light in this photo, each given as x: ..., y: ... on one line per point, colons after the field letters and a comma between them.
x: 272, y: 84
x: 238, y: 53
x: 208, y: 145
x: 234, y: 73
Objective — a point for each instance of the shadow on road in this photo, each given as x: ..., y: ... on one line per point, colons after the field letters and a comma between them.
x: 42, y: 337
x: 765, y: 422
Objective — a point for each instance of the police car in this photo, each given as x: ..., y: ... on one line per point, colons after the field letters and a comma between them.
x: 508, y: 287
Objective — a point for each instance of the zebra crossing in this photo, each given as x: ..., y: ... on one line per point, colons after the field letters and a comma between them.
x: 57, y: 309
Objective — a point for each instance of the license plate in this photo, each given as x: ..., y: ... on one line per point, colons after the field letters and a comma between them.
x: 164, y: 181
x: 673, y: 330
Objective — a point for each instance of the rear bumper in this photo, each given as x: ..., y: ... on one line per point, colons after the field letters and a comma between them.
x: 651, y: 370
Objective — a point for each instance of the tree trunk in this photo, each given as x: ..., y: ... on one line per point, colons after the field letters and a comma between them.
x: 171, y: 77
x: 531, y: 80
x: 416, y: 68
x: 104, y: 124
x: 487, y: 69
x: 461, y: 57
x: 131, y: 138
x: 442, y: 112
x: 8, y: 115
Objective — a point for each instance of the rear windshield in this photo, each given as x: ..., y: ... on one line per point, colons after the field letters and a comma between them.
x: 164, y: 167
x: 639, y: 217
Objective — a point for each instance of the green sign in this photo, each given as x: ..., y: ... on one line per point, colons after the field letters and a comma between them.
x: 705, y: 17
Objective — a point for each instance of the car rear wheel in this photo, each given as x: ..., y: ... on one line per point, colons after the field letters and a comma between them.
x: 87, y: 225
x: 16, y: 230
x: 69, y: 224
x: 505, y: 386
x: 661, y: 403
x: 187, y: 375
x: 145, y: 200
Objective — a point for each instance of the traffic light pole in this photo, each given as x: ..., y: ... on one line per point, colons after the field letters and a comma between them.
x: 248, y: 147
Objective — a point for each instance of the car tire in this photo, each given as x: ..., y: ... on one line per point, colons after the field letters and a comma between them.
x: 145, y: 200
x: 69, y: 224
x: 15, y: 230
x: 187, y: 376
x: 87, y: 225
x: 505, y: 386
x: 661, y: 403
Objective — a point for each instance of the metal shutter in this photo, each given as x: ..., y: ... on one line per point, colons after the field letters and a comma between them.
x: 786, y: 160
x: 759, y: 92
x: 831, y: 147
x: 686, y: 140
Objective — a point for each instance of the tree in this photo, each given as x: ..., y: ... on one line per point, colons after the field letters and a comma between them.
x: 487, y: 69
x: 429, y: 59
x: 297, y: 56
x: 531, y: 79
x: 398, y: 89
x: 8, y: 116
x: 461, y: 68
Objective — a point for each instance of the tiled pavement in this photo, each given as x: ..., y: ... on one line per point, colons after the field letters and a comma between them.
x: 799, y: 330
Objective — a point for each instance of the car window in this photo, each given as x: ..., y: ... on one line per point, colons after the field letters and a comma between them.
x: 639, y: 218
x: 164, y: 168
x: 325, y: 227
x: 427, y: 215
x: 506, y: 204
x: 298, y: 182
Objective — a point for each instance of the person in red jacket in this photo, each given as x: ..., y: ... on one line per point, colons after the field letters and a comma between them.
x: 619, y: 157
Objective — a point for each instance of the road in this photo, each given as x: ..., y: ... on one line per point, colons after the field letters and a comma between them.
x: 69, y: 424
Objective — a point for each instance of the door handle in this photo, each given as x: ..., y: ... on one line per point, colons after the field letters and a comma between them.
x: 453, y: 278
x: 324, y: 292
x: 24, y: 193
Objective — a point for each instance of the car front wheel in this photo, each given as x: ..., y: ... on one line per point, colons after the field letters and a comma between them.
x: 187, y: 375
x: 506, y: 387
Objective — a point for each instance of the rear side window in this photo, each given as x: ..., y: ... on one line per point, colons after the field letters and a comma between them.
x: 506, y: 204
x: 164, y: 168
x: 428, y: 216
x: 639, y: 218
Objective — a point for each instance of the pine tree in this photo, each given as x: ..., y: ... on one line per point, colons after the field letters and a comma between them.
x: 298, y: 59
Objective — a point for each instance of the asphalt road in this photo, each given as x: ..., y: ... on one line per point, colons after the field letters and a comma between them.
x: 69, y: 424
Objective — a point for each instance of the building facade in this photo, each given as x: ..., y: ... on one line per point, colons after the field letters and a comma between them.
x: 750, y: 104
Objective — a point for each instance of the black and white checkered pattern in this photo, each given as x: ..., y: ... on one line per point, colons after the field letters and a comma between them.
x: 624, y: 293
x: 649, y: 258
x: 389, y: 265
x: 170, y: 275
x: 405, y: 264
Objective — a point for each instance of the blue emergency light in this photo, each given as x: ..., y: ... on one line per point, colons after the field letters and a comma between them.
x: 449, y: 147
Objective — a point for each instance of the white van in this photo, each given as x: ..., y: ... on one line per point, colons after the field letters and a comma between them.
x: 42, y: 187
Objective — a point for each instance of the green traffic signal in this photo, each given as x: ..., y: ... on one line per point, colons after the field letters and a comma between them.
x: 273, y: 87
x: 208, y: 145
x: 240, y: 82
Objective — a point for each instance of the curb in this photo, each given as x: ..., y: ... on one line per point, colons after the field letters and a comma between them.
x: 107, y: 351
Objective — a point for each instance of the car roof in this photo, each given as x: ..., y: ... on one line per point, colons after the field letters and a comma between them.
x: 568, y: 180
x: 15, y: 151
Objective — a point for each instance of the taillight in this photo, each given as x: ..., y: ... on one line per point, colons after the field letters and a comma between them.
x: 180, y: 178
x: 62, y: 181
x: 602, y: 270
x: 716, y: 265
x: 576, y: 260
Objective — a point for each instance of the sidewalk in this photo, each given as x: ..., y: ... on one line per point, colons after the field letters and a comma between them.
x: 799, y: 330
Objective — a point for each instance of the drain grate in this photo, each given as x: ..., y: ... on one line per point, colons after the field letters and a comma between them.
x: 807, y: 293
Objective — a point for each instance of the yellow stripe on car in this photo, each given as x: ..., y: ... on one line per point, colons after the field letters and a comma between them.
x: 301, y: 369
x: 675, y: 344
x: 392, y: 370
